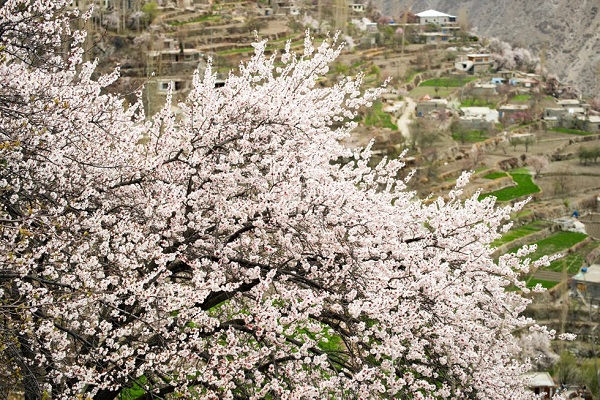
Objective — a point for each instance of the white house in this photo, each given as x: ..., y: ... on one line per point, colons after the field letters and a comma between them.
x: 435, y: 17
x: 357, y: 8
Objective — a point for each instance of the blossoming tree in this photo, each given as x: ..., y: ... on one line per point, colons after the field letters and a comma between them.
x: 226, y: 252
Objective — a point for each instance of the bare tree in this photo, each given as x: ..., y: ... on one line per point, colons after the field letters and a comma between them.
x: 562, y: 184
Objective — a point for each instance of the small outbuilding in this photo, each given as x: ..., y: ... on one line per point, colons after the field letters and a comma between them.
x: 587, y: 282
x: 541, y: 383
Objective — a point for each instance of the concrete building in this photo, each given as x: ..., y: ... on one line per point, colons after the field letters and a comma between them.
x: 435, y: 17
x: 356, y: 8
x: 569, y: 103
x: 477, y: 118
x: 474, y: 63
x: 483, y: 89
x: 436, y: 37
x: 427, y: 107
x: 592, y: 124
x: 587, y: 283
x: 510, y: 111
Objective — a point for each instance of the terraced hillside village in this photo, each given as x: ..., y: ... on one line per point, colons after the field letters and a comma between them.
x: 456, y: 101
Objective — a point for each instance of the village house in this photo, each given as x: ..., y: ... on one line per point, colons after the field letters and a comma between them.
x: 568, y: 103
x: 169, y: 57
x: 524, y: 83
x: 592, y: 124
x: 428, y: 106
x: 156, y: 90
x: 541, y: 383
x: 571, y: 115
x: 587, y: 283
x: 477, y: 118
x: 356, y: 8
x: 437, y: 37
x: 511, y: 112
x: 483, y: 89
x: 554, y: 113
x: 435, y: 17
x: 395, y: 109
x: 474, y: 63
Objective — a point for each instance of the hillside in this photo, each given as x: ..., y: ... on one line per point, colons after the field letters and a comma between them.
x: 569, y: 30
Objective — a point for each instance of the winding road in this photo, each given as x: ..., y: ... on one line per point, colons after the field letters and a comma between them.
x: 406, y: 117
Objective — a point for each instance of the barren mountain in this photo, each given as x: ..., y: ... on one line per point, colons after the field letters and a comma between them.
x: 568, y: 30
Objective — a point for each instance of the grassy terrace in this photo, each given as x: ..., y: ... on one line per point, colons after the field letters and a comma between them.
x: 447, y: 82
x: 495, y: 175
x: 477, y: 103
x: 376, y: 117
x: 470, y: 136
x: 421, y: 91
x: 521, y: 98
x: 574, y: 261
x: 519, y: 232
x: 570, y: 131
x: 524, y: 186
x: 553, y: 244
x: 531, y: 282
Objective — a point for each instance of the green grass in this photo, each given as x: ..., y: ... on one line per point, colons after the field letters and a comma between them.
x: 447, y: 82
x: 134, y: 391
x: 495, y: 175
x: 531, y: 282
x: 570, y: 131
x: 377, y: 118
x: 515, y: 234
x: 520, y: 98
x: 411, y: 75
x: 524, y: 186
x: 553, y: 244
x: 520, y: 214
x: 574, y: 261
x: 421, y: 91
x: 477, y: 103
x: 470, y: 137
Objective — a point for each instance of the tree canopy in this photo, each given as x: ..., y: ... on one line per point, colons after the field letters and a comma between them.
x: 226, y: 252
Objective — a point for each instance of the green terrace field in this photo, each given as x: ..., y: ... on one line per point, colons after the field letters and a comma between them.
x: 470, y: 136
x: 574, y: 261
x: 495, y: 175
x: 520, y: 232
x: 531, y: 282
x: 477, y: 103
x: 521, y: 99
x: 570, y: 131
x: 377, y: 118
x: 524, y: 186
x: 421, y: 91
x: 448, y: 82
x: 553, y: 244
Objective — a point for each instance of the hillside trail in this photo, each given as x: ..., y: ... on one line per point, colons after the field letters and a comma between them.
x: 407, y: 116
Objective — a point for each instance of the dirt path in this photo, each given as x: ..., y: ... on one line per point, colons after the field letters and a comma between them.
x: 406, y: 117
x: 551, y: 276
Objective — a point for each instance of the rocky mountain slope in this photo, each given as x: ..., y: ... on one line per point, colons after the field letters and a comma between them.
x: 568, y: 30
